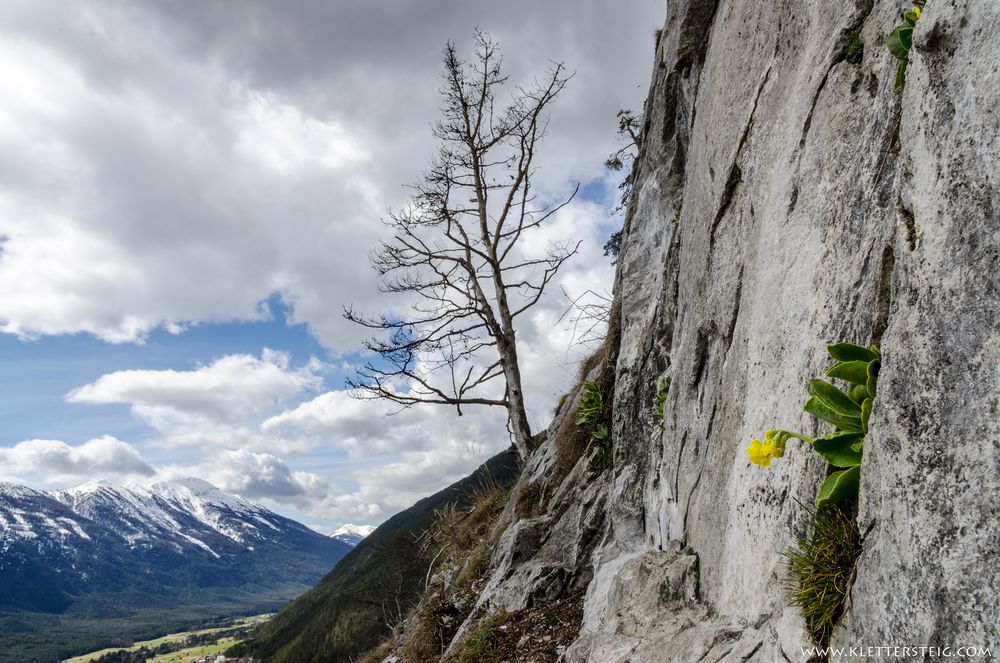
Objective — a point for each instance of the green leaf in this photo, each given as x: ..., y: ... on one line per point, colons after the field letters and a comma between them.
x: 834, y: 398
x: 840, y: 486
x: 838, y: 448
x: 859, y: 393
x: 899, y: 42
x: 872, y: 383
x: 850, y: 371
x: 859, y: 445
x: 850, y: 352
x: 816, y: 408
x: 591, y: 407
x: 600, y: 432
x: 661, y: 398
x: 866, y: 413
x: 900, y: 81
x: 906, y: 37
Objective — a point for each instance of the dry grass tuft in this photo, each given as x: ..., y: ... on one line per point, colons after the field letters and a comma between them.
x: 461, y: 538
x: 529, y: 501
x: 540, y: 633
x: 378, y: 654
x: 821, y: 567
x: 477, y: 647
x: 573, y: 441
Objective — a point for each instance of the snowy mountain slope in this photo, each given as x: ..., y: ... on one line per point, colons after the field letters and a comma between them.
x: 183, y: 506
x: 352, y: 535
x: 56, y: 547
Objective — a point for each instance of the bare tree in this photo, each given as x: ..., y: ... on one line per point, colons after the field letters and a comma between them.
x: 458, y: 249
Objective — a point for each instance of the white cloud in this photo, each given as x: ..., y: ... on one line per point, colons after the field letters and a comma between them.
x: 372, y: 492
x: 402, y: 457
x: 369, y: 493
x: 167, y: 168
x: 266, y: 478
x: 416, y: 474
x: 256, y: 476
x: 222, y: 408
x: 162, y: 167
x: 283, y: 138
x: 233, y: 386
x: 365, y: 428
x: 179, y: 197
x: 216, y: 404
x: 54, y: 461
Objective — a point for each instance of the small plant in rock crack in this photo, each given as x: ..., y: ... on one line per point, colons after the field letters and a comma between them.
x: 900, y: 41
x: 590, y: 412
x: 820, y: 567
x: 848, y: 410
x: 854, y: 47
x: 661, y: 397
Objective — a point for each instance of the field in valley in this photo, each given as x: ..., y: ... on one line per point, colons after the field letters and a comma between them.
x: 223, y: 641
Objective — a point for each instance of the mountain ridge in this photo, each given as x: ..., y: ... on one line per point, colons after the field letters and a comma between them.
x: 162, y: 539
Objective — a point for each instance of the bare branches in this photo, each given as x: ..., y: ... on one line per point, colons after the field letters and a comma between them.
x: 591, y: 312
x: 630, y: 132
x: 456, y: 250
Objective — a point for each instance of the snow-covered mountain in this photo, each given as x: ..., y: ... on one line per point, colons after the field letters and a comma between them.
x: 352, y: 535
x: 167, y: 537
x: 183, y: 507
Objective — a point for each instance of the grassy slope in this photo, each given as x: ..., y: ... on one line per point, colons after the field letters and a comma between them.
x: 344, y: 615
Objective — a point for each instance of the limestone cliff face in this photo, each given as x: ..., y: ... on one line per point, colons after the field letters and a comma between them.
x: 787, y: 198
x: 815, y: 205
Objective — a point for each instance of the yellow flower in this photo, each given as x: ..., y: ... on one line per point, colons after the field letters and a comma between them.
x: 916, y: 12
x: 757, y: 454
x: 761, y: 452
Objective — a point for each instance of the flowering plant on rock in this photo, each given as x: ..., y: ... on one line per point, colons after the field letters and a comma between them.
x: 900, y: 41
x: 847, y: 409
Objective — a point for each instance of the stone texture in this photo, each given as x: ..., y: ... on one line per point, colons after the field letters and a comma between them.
x: 930, y: 571
x: 543, y: 558
x: 804, y: 223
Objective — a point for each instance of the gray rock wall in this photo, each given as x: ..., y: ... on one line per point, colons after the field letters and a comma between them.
x: 816, y: 205
x: 930, y: 572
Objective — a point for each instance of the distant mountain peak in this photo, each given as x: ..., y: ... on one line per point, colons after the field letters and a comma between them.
x: 184, y: 533
x: 93, y: 487
x: 352, y: 534
x: 194, y: 484
x: 192, y: 490
x: 363, y: 530
x: 15, y: 489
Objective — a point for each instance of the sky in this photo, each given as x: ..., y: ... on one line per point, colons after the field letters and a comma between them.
x: 189, y: 194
